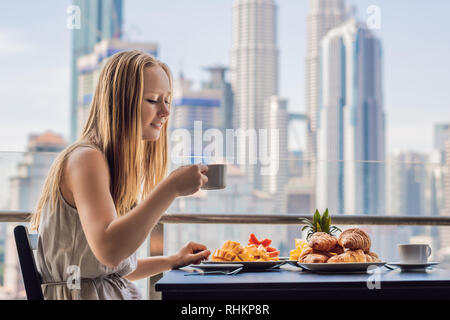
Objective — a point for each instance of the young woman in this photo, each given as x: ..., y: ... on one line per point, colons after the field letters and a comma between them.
x: 106, y: 192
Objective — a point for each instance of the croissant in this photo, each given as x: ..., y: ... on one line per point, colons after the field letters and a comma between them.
x: 313, y: 258
x: 305, y: 251
x: 337, y: 249
x: 322, y: 241
x: 309, y: 250
x: 372, y: 257
x: 355, y: 239
x: 349, y: 256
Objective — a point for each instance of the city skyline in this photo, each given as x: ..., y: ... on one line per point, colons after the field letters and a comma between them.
x: 366, y: 97
x: 51, y: 94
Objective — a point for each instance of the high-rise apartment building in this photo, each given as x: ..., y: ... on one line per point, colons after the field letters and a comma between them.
x: 351, y: 128
x: 254, y: 69
x: 323, y: 16
x: 99, y: 20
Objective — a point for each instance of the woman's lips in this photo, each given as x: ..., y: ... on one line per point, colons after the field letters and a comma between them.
x: 156, y: 125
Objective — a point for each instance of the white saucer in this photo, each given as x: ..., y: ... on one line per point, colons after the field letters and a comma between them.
x: 412, y: 266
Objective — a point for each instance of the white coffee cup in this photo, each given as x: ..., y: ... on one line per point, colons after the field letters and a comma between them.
x: 414, y: 253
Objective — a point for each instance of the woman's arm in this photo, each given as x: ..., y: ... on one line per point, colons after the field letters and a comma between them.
x: 110, y: 238
x: 190, y: 253
x: 150, y: 266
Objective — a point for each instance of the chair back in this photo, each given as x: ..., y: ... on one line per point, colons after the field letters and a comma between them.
x: 32, y: 280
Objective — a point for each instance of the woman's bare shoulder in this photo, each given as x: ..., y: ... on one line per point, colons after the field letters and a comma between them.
x: 86, y: 161
x: 83, y: 163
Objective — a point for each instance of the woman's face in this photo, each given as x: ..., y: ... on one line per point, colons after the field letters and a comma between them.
x: 155, y: 102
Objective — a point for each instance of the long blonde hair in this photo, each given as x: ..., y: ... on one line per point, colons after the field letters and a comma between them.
x: 114, y: 128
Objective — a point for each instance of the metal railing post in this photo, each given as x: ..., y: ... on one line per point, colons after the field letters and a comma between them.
x: 156, y: 248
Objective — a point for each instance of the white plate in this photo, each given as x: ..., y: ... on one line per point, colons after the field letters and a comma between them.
x: 216, y: 266
x: 251, y: 265
x: 412, y: 266
x: 340, y: 267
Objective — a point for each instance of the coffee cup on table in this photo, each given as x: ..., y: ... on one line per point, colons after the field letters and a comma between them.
x: 217, y: 177
x: 414, y: 253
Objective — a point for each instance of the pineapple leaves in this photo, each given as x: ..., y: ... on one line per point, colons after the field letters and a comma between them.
x: 317, y: 222
x: 320, y: 223
x: 316, y: 218
x: 326, y: 221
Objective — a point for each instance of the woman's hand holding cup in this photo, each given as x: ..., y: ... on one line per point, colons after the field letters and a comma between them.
x: 188, y: 179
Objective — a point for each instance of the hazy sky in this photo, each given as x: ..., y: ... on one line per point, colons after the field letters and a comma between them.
x: 35, y: 59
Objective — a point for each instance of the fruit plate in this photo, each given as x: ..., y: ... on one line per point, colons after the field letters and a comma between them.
x: 340, y: 267
x: 251, y: 265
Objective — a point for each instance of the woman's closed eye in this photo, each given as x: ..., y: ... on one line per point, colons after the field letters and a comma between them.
x: 155, y: 101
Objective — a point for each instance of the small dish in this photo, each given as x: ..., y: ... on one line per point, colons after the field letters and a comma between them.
x: 412, y: 266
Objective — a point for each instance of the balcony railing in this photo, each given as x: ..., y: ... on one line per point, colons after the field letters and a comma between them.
x: 156, y: 239
x: 242, y: 218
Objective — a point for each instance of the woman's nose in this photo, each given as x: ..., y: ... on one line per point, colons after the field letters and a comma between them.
x: 164, y: 112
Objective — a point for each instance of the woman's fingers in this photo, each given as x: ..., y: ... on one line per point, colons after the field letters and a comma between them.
x: 196, y: 247
x: 203, y: 168
x: 199, y: 256
x: 204, y: 179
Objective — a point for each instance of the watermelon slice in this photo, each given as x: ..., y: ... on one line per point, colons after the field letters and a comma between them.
x: 254, y: 240
x: 265, y: 242
x: 274, y: 254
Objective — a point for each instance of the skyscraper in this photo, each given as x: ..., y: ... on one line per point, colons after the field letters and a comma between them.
x: 351, y: 128
x: 322, y: 17
x: 100, y: 19
x: 218, y: 82
x: 254, y: 67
